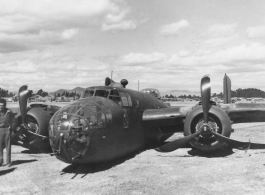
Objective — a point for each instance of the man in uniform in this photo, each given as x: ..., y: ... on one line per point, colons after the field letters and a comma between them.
x: 6, y: 119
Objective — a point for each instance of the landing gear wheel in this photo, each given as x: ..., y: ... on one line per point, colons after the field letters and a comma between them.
x: 218, y: 122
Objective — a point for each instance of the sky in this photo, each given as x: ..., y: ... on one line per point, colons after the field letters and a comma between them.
x: 163, y: 44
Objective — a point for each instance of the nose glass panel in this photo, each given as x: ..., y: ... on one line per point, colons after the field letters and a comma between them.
x: 79, y: 116
x: 77, y: 119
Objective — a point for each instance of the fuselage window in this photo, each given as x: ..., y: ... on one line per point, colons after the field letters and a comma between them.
x: 129, y: 99
x: 102, y: 93
x: 124, y: 99
x: 88, y: 93
x: 114, y: 96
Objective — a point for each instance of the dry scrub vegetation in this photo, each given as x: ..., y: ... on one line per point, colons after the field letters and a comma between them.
x: 227, y: 172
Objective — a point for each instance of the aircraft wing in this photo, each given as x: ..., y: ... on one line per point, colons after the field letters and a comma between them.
x: 165, y: 116
x: 238, y: 113
x: 51, y: 106
x: 245, y: 112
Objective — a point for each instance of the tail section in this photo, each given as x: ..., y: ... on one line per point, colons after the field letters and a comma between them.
x: 227, y: 90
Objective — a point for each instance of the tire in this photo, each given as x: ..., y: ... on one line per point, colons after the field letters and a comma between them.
x: 216, y: 116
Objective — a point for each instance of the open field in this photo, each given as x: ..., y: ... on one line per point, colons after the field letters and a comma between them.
x: 147, y: 172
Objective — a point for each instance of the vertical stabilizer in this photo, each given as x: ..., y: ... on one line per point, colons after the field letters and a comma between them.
x: 227, y: 90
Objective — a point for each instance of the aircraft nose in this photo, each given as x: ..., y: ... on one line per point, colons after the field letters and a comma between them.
x: 71, y: 128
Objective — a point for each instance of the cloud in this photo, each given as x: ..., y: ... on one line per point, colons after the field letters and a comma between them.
x: 70, y: 33
x: 256, y: 32
x: 116, y: 21
x: 173, y: 29
x: 245, y: 54
x: 221, y: 30
x: 140, y: 58
x: 24, y: 25
x: 22, y: 42
x: 122, y: 26
x: 24, y: 66
x: 117, y: 17
x: 17, y: 16
x: 48, y: 71
x: 213, y: 42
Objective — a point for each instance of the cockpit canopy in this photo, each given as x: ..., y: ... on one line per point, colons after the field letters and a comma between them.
x: 120, y: 97
x: 152, y: 92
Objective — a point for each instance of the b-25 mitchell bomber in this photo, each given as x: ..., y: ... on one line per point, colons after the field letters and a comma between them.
x: 110, y: 122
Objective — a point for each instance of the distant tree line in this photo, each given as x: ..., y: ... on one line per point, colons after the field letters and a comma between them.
x: 245, y: 93
x: 67, y: 94
x: 181, y: 96
x: 4, y: 93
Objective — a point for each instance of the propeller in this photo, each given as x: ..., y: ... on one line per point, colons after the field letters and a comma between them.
x: 205, y: 128
x: 176, y: 144
x: 206, y: 96
x: 238, y: 144
x: 23, y: 98
x: 232, y: 143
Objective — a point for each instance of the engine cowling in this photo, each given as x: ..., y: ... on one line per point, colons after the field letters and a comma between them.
x: 218, y: 121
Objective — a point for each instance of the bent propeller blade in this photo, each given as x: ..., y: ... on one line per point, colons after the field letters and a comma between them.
x: 232, y: 143
x: 23, y: 98
x: 176, y: 144
x: 206, y: 95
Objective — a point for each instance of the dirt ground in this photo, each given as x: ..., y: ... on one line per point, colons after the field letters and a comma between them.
x: 149, y: 172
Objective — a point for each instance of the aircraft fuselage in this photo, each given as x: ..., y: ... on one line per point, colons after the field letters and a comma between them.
x: 104, y: 125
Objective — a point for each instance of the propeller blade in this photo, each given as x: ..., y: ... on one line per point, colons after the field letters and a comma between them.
x: 23, y: 98
x: 256, y: 146
x: 206, y: 95
x: 176, y: 144
x: 232, y: 143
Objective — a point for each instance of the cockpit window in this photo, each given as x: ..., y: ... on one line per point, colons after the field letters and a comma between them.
x: 114, y: 96
x: 88, y: 93
x: 102, y: 93
x: 114, y: 93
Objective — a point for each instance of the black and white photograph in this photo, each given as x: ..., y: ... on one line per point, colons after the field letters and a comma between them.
x: 137, y: 97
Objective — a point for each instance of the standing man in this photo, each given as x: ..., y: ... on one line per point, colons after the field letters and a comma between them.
x: 6, y: 119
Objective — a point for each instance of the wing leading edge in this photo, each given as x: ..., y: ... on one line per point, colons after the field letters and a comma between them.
x: 165, y: 116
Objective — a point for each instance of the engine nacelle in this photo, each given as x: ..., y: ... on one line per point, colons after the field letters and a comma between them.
x: 218, y: 121
x: 37, y: 121
x: 42, y: 117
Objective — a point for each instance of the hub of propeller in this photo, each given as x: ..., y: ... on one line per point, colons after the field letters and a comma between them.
x: 206, y: 129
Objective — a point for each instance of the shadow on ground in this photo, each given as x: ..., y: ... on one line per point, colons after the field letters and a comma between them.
x: 6, y: 171
x: 214, y: 154
x: 18, y: 162
x: 31, y: 151
x: 98, y: 167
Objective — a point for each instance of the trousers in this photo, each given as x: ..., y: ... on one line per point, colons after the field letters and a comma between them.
x: 5, y: 142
